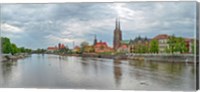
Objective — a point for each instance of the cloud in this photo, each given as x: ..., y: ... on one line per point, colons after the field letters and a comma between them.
x: 76, y: 30
x: 10, y: 28
x: 125, y: 12
x: 48, y: 24
x: 79, y: 28
x: 53, y: 40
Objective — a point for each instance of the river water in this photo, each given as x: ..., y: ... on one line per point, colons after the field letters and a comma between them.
x: 53, y: 71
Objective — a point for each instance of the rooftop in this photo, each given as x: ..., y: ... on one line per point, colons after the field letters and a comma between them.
x: 161, y: 36
x: 125, y: 41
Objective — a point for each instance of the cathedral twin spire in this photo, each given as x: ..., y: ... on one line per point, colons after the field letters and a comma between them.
x: 117, y: 35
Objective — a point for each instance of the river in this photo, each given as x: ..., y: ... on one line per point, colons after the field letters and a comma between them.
x: 53, y: 71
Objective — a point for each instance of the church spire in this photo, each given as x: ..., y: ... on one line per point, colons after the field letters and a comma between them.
x: 117, y: 23
x: 95, y: 39
x: 117, y: 35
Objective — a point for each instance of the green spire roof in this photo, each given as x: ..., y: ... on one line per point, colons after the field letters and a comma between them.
x: 125, y: 41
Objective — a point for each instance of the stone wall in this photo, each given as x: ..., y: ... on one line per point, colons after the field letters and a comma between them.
x: 163, y: 57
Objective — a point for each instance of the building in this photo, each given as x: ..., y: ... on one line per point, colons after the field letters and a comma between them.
x: 89, y: 49
x: 123, y: 46
x: 52, y: 49
x: 102, y: 47
x: 77, y: 49
x: 99, y: 47
x: 139, y: 45
x: 162, y: 42
x: 61, y: 46
x: 117, y: 35
x: 189, y: 44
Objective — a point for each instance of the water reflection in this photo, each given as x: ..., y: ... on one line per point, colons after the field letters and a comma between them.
x: 7, y: 70
x: 153, y: 66
x: 173, y: 68
x: 117, y: 72
x: 53, y: 71
x: 168, y: 68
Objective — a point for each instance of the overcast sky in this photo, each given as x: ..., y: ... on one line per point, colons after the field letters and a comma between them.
x: 42, y: 25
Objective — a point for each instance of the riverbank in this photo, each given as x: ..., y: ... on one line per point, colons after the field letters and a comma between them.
x: 8, y: 57
x: 183, y: 58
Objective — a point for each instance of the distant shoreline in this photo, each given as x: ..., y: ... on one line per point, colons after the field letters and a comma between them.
x: 177, y: 58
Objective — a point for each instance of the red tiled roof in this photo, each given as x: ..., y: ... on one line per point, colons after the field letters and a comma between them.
x: 124, y: 46
x: 161, y: 36
x: 101, y: 44
x: 188, y: 39
x: 52, y: 48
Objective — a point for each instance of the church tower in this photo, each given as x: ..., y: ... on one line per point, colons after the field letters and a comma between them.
x: 95, y: 40
x: 117, y: 35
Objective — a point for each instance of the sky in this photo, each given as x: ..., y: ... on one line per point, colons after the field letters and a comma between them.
x: 42, y: 25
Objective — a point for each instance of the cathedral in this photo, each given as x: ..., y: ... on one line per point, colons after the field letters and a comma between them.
x: 117, y: 35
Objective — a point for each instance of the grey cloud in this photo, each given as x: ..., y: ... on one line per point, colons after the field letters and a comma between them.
x: 40, y: 20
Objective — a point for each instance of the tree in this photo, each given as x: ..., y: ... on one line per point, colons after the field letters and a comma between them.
x: 181, y: 45
x: 145, y: 49
x: 22, y: 49
x: 83, y: 45
x: 154, y: 46
x: 171, y: 42
x: 193, y: 47
x: 63, y: 50
x: 177, y: 44
x: 14, y: 49
x: 6, y: 45
x: 28, y: 50
x: 36, y: 51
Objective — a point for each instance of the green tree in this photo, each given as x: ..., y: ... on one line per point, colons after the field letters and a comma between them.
x: 22, y: 49
x: 171, y: 42
x: 145, y: 49
x: 177, y: 44
x: 193, y: 47
x: 28, y: 50
x: 14, y: 49
x: 141, y: 48
x: 154, y: 46
x: 6, y: 45
x: 181, y: 45
x: 83, y: 45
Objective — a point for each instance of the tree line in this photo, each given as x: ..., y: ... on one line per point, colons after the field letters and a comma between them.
x: 11, y: 48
